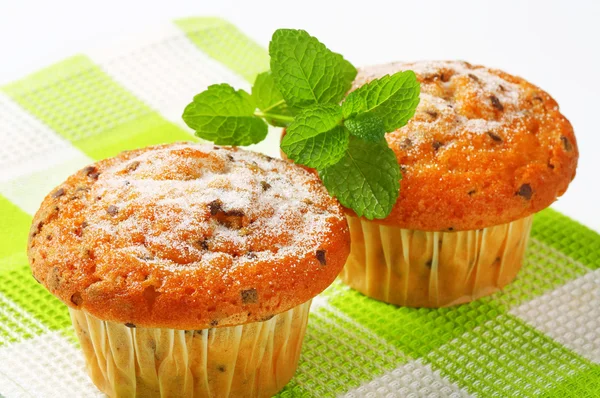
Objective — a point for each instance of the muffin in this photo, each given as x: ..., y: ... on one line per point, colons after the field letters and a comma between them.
x: 484, y: 151
x: 189, y: 269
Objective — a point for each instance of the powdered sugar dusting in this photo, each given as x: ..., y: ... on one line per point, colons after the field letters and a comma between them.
x: 186, y: 205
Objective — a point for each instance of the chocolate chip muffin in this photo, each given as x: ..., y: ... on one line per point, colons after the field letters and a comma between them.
x: 189, y: 269
x: 483, y: 153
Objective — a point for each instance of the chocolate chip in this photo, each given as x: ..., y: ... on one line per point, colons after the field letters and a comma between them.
x: 472, y: 192
x: 320, y: 254
x: 130, y: 325
x: 112, y: 210
x: 133, y: 165
x: 494, y: 136
x: 433, y: 114
x: 58, y: 193
x: 48, y: 237
x: 437, y: 145
x: 566, y: 143
x: 251, y: 255
x: 472, y: 76
x: 550, y: 166
x: 496, y: 103
x: 450, y: 229
x: 265, y: 185
x: 249, y: 296
x: 91, y: 172
x: 215, y: 207
x: 235, y: 213
x: 76, y: 299
x: 203, y: 244
x: 221, y: 368
x: 501, y: 87
x: 216, y: 148
x: 525, y: 191
x: 230, y: 158
x: 405, y: 143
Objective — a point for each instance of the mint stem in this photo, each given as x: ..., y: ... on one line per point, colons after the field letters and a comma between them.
x: 275, y: 105
x: 281, y: 118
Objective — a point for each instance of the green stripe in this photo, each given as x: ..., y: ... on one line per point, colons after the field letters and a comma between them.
x: 79, y: 101
x: 18, y: 285
x: 543, y: 271
x: 225, y: 43
x: 568, y: 236
x: 508, y: 358
x: 579, y: 384
x: 335, y: 358
x: 15, y: 325
x: 14, y: 229
x: 415, y: 331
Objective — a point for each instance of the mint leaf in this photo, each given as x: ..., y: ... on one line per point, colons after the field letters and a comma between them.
x: 315, y: 138
x: 366, y: 179
x: 392, y: 98
x: 366, y: 126
x: 225, y: 116
x: 269, y: 100
x: 306, y: 72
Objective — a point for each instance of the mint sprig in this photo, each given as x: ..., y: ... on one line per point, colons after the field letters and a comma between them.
x: 302, y: 92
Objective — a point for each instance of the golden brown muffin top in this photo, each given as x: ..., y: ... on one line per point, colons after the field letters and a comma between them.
x: 188, y: 236
x: 484, y: 148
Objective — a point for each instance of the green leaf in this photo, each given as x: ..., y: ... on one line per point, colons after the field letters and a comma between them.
x: 225, y: 116
x: 268, y: 98
x: 393, y: 98
x: 366, y: 126
x: 315, y: 138
x: 306, y: 72
x: 366, y: 179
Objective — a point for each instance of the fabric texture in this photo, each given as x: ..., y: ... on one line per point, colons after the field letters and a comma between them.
x: 539, y: 337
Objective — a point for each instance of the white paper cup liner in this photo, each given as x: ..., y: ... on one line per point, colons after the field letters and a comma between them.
x: 433, y: 269
x: 251, y: 360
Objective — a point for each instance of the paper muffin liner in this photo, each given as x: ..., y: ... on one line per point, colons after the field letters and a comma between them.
x: 251, y: 360
x: 433, y: 269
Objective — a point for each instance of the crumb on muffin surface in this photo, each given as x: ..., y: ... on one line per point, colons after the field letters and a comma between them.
x: 188, y: 236
x: 484, y: 148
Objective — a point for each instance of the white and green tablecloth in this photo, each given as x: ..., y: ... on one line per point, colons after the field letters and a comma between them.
x: 540, y: 337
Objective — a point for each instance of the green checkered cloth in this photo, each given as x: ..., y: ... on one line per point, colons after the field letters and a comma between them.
x: 540, y: 337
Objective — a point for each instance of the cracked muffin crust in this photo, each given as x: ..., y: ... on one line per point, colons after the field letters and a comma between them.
x: 484, y: 148
x: 188, y: 236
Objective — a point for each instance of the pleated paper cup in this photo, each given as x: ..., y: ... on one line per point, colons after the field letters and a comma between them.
x: 433, y: 269
x: 252, y: 360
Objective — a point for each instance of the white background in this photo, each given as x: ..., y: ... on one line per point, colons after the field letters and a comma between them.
x: 555, y: 45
